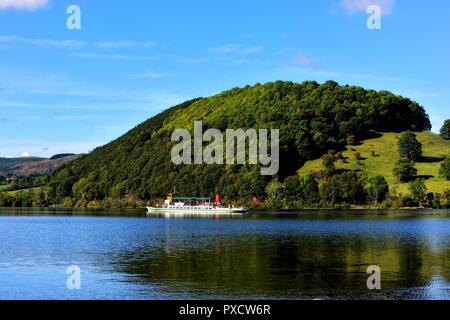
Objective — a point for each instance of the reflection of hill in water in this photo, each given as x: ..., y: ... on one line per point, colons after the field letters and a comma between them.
x: 280, y: 263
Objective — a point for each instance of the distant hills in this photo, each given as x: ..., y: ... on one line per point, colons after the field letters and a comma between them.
x: 31, y: 166
x: 312, y: 118
x: 6, y: 163
x: 62, y: 155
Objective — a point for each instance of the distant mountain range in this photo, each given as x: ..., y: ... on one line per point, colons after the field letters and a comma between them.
x: 31, y: 166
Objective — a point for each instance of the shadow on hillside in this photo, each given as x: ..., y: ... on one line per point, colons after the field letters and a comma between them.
x: 341, y: 171
x: 425, y: 177
x: 431, y: 159
x: 371, y: 135
x: 366, y: 136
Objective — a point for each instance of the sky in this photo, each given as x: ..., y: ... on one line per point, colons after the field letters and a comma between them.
x: 71, y: 90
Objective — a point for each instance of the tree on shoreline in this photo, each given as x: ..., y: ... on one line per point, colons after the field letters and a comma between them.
x: 418, y: 189
x: 378, y: 189
x: 309, y: 188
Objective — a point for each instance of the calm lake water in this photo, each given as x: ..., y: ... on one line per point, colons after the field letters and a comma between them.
x: 304, y: 255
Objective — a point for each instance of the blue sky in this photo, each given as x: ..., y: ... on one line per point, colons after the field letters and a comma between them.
x: 67, y: 90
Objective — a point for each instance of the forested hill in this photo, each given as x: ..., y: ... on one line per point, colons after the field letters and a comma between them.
x: 312, y: 119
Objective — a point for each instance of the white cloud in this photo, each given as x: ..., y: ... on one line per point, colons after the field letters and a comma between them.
x: 194, y: 60
x: 230, y: 54
x: 25, y: 155
x: 72, y: 44
x: 82, y: 117
x: 118, y: 57
x: 356, y: 6
x: 68, y: 44
x: 25, y: 89
x: 124, y: 44
x: 23, y: 4
x: 237, y: 49
x: 150, y: 75
x: 333, y: 74
x: 307, y: 61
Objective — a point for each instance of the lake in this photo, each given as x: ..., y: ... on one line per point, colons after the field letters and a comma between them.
x: 122, y: 254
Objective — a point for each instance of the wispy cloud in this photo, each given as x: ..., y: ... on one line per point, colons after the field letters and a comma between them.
x: 68, y: 44
x: 237, y: 49
x: 18, y: 81
x: 13, y: 40
x: 307, y: 61
x: 150, y: 75
x: 124, y: 44
x: 292, y: 69
x: 194, y: 60
x: 82, y: 117
x: 25, y: 89
x: 120, y: 57
x: 311, y: 66
x: 229, y: 54
x: 357, y: 6
x: 29, y: 5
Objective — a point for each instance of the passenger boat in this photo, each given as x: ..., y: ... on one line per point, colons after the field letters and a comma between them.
x: 195, y: 206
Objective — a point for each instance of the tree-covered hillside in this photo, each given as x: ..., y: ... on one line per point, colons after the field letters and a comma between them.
x: 312, y: 119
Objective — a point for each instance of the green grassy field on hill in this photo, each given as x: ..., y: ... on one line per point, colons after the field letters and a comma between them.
x: 15, y: 192
x: 379, y: 155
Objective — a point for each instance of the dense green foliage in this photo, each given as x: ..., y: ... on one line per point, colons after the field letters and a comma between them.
x: 409, y: 147
x: 418, y: 189
x: 28, y: 198
x: 312, y: 119
x: 445, y: 168
x: 405, y: 170
x: 445, y: 130
x: 29, y: 182
x: 344, y: 188
x: 4, y: 184
x: 328, y: 162
x: 378, y: 189
x: 61, y: 155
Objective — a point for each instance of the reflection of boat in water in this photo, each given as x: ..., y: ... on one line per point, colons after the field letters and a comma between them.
x: 194, y: 206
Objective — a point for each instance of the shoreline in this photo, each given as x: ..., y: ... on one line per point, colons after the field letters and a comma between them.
x: 253, y: 210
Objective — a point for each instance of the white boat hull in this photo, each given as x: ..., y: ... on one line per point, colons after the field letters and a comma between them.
x: 202, y: 211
